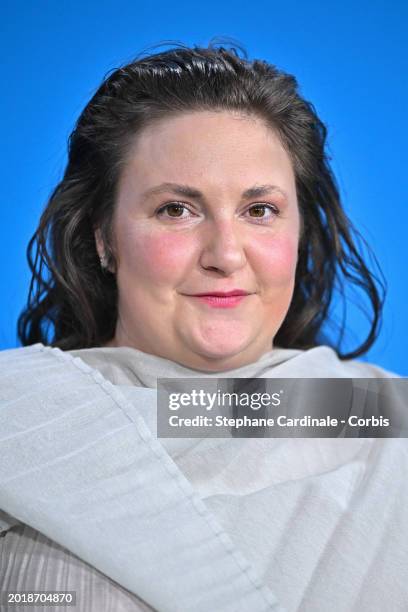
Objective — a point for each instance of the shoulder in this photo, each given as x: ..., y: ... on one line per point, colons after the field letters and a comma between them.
x: 323, y: 362
x: 15, y: 358
x: 353, y: 368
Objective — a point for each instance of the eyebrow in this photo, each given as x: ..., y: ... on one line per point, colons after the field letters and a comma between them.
x: 255, y: 191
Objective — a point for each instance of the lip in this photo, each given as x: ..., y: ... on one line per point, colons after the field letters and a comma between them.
x: 222, y: 294
x: 224, y: 299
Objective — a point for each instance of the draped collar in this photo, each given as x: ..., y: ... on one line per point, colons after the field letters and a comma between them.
x: 81, y: 466
x: 125, y: 365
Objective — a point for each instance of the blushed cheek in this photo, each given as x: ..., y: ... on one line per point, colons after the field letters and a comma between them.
x: 155, y: 255
x: 277, y: 257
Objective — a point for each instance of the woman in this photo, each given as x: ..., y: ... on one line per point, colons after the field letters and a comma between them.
x: 197, y: 232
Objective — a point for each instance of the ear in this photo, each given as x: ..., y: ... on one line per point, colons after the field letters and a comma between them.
x: 100, y: 247
x: 103, y: 255
x: 99, y: 243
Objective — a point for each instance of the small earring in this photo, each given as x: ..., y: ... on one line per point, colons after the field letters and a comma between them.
x: 103, y: 262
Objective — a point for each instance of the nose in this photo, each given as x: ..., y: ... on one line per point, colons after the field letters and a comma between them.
x: 222, y: 247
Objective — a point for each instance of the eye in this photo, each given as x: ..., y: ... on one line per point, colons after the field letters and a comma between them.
x: 174, y: 210
x: 263, y: 211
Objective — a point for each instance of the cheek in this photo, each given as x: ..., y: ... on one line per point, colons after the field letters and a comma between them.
x: 154, y: 255
x: 277, y: 259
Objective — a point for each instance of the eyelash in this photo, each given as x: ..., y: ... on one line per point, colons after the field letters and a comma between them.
x: 271, y: 207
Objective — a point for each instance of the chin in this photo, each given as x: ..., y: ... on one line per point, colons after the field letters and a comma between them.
x: 219, y: 353
x: 224, y: 346
x: 214, y: 356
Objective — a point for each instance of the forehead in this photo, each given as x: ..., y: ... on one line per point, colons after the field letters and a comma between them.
x: 219, y: 148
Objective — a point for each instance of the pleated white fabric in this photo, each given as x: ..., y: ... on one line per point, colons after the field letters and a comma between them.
x: 311, y: 525
x: 79, y: 464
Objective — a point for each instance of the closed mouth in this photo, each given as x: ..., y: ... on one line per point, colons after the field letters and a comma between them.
x: 220, y: 294
x: 217, y: 300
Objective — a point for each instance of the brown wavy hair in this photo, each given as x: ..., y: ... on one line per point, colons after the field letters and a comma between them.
x: 72, y: 301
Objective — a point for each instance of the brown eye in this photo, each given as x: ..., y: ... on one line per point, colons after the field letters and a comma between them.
x: 174, y: 210
x: 259, y: 210
x: 263, y: 211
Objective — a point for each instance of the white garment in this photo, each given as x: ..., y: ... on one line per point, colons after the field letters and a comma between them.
x: 320, y: 523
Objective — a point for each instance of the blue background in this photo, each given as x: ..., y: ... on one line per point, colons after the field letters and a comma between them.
x: 350, y: 59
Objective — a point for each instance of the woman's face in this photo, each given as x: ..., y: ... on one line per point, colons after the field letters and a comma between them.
x: 206, y: 205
